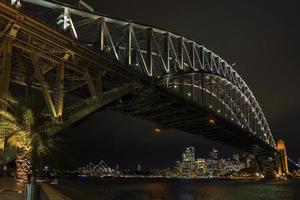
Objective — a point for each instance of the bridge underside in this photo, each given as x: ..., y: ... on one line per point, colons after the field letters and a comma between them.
x: 170, y: 111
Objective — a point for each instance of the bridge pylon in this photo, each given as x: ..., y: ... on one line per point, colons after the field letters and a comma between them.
x: 282, y: 160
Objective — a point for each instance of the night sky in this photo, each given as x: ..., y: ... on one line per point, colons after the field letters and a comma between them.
x: 262, y: 37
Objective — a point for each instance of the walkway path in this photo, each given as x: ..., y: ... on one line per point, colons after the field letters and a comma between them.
x: 10, y: 190
x: 52, y: 193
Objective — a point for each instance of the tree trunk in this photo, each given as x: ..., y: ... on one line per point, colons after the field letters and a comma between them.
x: 23, y: 165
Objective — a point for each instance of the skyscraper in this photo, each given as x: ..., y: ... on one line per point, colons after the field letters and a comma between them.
x: 179, y: 168
x: 236, y: 157
x: 212, y: 162
x: 213, y: 154
x: 139, y: 168
x: 200, y: 167
x: 188, y: 161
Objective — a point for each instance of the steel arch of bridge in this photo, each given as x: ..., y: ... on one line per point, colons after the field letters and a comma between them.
x: 171, y: 61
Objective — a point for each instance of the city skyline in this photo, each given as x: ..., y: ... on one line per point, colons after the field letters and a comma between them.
x: 189, y: 154
x: 189, y: 166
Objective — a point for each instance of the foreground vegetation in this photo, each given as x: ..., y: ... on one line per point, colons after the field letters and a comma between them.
x: 25, y: 128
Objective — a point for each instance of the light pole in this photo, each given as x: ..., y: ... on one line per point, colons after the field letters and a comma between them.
x: 46, y: 172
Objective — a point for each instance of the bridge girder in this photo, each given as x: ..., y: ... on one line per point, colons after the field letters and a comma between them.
x: 70, y: 72
x: 164, y: 57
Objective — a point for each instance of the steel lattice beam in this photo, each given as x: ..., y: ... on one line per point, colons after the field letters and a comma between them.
x: 70, y: 74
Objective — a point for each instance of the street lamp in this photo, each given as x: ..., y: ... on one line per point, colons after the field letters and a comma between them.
x: 46, y: 172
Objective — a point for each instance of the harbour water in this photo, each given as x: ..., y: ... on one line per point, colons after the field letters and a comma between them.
x: 179, y: 189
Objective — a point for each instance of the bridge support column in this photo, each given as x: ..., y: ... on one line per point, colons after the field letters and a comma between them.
x: 282, y: 161
x: 5, y: 71
x: 6, y: 40
x: 43, y: 84
x: 99, y: 84
x: 60, y: 88
x: 54, y: 96
x: 95, y: 86
x: 5, y: 68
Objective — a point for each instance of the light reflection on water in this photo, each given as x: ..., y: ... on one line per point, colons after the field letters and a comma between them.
x: 176, y: 189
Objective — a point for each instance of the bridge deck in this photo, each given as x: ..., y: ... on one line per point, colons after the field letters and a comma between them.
x: 171, y: 111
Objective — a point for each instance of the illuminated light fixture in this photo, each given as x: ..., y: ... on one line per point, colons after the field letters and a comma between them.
x: 65, y: 22
x: 175, y: 86
x: 157, y: 130
x: 210, y: 106
x: 211, y: 121
x: 219, y: 111
x: 16, y: 3
x: 189, y: 94
x: 158, y: 76
x: 107, y: 49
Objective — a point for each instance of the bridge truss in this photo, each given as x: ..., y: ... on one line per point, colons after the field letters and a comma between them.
x: 95, y: 60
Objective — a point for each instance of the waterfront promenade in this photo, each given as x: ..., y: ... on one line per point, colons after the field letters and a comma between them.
x: 10, y: 190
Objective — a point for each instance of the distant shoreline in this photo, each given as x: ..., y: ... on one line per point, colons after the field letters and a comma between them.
x: 171, y: 177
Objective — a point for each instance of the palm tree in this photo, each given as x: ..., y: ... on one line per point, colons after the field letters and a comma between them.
x: 26, y: 129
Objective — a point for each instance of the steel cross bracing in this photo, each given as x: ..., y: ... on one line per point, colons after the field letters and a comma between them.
x: 171, y: 61
x: 37, y: 60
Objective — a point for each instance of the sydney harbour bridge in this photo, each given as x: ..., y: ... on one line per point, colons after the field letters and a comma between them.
x: 79, y: 61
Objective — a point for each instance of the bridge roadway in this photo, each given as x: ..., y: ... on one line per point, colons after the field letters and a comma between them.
x: 139, y: 70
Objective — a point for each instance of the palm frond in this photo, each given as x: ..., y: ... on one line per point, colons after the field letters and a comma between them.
x: 16, y: 141
x: 28, y: 118
x: 14, y: 107
x: 8, y: 101
x: 9, y: 126
x: 4, y: 115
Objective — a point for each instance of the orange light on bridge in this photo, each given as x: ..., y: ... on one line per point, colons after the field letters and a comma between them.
x: 211, y: 121
x: 157, y: 130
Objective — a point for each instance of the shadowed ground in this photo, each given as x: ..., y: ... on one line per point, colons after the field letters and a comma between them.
x: 9, y: 190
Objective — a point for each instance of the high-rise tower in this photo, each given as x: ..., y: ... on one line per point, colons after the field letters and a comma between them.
x: 188, y: 161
